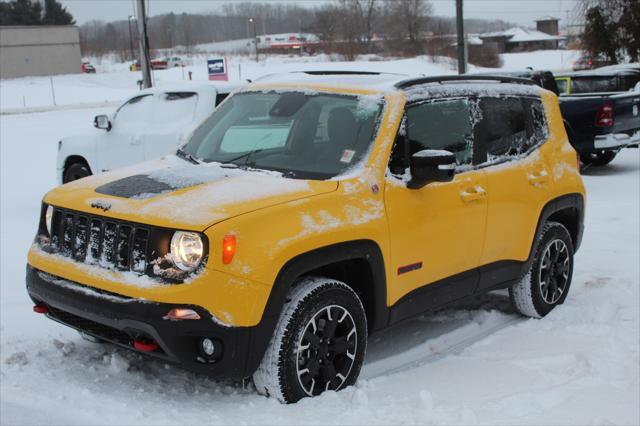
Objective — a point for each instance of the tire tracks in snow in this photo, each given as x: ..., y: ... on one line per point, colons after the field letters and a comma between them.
x: 396, y: 363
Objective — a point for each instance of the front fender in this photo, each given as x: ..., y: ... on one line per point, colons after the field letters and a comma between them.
x: 268, y: 238
x: 83, y: 146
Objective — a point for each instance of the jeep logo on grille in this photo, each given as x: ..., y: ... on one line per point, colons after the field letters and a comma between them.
x: 102, y: 205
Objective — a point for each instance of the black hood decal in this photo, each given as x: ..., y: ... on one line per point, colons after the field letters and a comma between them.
x: 135, y: 186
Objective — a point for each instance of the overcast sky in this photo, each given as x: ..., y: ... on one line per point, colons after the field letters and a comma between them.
x: 523, y: 12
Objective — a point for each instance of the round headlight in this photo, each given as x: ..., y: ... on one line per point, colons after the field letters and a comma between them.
x: 187, y: 250
x: 48, y: 216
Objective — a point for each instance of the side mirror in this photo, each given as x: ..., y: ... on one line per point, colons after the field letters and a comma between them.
x: 431, y: 165
x: 102, y: 122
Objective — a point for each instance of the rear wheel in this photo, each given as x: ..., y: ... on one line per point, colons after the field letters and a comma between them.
x: 599, y: 158
x: 76, y: 171
x: 547, y: 282
x: 318, y: 344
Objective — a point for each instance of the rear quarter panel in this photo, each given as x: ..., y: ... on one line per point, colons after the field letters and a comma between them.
x: 561, y: 156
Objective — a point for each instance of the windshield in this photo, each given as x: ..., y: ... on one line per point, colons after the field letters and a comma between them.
x: 305, y: 136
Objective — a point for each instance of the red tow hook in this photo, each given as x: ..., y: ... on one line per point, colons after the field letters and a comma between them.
x: 143, y: 346
x: 40, y: 309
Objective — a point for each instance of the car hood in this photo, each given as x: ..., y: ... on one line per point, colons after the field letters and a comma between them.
x: 174, y: 193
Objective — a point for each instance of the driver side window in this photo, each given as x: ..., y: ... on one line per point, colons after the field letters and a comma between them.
x: 441, y: 125
x: 135, y: 111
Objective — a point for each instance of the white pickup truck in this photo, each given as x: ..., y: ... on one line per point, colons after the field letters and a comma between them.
x: 147, y: 125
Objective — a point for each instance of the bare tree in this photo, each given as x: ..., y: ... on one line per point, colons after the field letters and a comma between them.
x: 366, y: 12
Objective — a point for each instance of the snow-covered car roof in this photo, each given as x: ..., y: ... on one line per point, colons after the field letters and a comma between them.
x: 193, y: 87
x: 346, y: 79
x: 385, y: 82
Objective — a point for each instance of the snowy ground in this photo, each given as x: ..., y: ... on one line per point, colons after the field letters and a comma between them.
x: 114, y: 81
x: 478, y: 363
x: 553, y: 60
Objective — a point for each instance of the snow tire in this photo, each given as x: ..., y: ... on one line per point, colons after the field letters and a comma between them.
x: 279, y: 374
x: 547, y: 282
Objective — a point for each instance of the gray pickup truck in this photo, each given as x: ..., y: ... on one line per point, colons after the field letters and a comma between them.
x: 601, y: 109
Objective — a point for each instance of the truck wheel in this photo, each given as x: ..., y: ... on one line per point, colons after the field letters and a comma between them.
x: 76, y: 171
x: 600, y: 158
x: 318, y: 344
x: 547, y: 282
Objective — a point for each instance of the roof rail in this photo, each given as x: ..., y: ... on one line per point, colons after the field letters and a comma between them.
x: 449, y: 78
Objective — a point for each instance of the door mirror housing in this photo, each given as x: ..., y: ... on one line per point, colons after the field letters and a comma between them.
x: 102, y: 122
x: 431, y: 165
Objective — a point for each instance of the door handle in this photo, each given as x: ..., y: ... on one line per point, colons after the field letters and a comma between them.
x: 539, y: 178
x: 473, y: 194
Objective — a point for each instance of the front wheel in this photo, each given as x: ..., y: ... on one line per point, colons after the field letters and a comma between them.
x: 599, y: 158
x: 76, y: 171
x: 318, y: 344
x: 547, y: 282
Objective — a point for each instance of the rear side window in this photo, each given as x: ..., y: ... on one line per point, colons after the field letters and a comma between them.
x: 503, y: 131
x: 593, y: 84
x: 510, y: 127
x: 443, y: 125
x: 628, y: 82
x: 537, y: 127
x: 562, y: 85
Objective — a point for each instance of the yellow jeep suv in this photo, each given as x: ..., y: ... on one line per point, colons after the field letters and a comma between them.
x: 309, y: 211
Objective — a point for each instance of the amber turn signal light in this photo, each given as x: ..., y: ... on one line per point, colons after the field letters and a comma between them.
x: 228, y: 248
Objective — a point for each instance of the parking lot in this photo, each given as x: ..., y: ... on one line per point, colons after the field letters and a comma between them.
x: 476, y: 363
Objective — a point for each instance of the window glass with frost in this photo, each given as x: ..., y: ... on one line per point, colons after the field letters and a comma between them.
x: 303, y: 135
x: 445, y: 125
x: 503, y: 130
x: 510, y: 127
x: 173, y: 107
x: 135, y: 111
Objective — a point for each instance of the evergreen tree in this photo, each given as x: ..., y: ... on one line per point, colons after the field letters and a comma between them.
x: 600, y: 35
x: 5, y: 10
x: 29, y: 12
x: 23, y: 12
x: 56, y: 14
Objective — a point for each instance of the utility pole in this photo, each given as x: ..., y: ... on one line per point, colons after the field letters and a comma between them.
x: 131, y: 18
x: 462, y: 59
x: 145, y: 59
x: 255, y: 36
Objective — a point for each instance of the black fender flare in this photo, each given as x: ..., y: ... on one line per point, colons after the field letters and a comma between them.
x: 366, y: 250
x: 567, y: 201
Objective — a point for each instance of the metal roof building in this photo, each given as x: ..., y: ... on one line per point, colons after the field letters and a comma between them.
x: 39, y: 50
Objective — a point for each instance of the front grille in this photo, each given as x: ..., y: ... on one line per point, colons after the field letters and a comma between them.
x: 96, y: 240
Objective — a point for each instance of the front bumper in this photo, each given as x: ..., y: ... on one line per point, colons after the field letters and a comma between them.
x: 121, y: 320
x: 613, y: 141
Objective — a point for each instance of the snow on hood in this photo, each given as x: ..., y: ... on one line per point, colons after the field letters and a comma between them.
x: 182, y: 195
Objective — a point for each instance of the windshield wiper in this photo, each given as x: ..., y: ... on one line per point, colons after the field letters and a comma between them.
x: 246, y: 156
x: 185, y: 155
